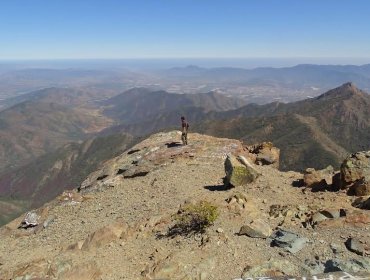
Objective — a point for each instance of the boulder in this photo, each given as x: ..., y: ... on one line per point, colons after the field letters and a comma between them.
x: 266, y: 154
x: 318, y: 179
x: 256, y: 229
x: 355, y: 173
x: 239, y: 172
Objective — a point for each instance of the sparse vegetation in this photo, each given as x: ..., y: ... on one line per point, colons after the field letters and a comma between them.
x: 194, y: 218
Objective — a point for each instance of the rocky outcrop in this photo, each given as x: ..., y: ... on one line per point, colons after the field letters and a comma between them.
x: 355, y: 173
x: 239, y: 172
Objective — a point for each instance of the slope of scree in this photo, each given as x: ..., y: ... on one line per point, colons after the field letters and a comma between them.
x: 115, y: 226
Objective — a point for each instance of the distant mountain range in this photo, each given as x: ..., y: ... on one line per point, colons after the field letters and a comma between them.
x: 322, y: 76
x: 141, y: 104
x: 333, y: 124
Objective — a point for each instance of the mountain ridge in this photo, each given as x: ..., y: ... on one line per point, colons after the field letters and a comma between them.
x: 117, y: 223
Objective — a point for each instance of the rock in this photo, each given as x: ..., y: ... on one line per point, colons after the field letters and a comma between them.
x: 76, y: 246
x: 238, y: 173
x: 336, y: 182
x: 272, y: 268
x: 355, y: 169
x: 288, y: 240
x: 240, y: 205
x: 318, y: 179
x: 361, y: 187
x: 104, y: 235
x: 314, y: 267
x: 30, y: 220
x: 49, y: 220
x: 219, y: 230
x: 318, y: 217
x: 355, y: 246
x: 256, y: 229
x: 349, y: 266
x: 266, y: 154
x: 327, y: 214
x: 136, y: 172
x: 71, y: 197
x: 335, y: 248
x: 362, y: 203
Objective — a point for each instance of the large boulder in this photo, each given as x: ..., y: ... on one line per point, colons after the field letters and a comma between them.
x: 265, y: 154
x: 355, y: 173
x: 318, y: 179
x: 239, y: 172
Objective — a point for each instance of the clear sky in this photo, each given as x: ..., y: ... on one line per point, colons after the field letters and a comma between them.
x: 49, y: 29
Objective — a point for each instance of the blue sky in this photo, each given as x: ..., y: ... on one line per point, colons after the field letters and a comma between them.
x: 49, y: 29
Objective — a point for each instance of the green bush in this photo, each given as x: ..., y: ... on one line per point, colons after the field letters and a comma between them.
x: 194, y: 218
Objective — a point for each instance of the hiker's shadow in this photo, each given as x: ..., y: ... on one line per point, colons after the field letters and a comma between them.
x: 173, y: 144
x: 219, y: 188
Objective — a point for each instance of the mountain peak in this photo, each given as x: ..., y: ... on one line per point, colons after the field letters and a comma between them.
x: 346, y: 90
x: 131, y: 204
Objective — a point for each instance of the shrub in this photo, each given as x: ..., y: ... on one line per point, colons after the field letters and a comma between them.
x: 194, y: 218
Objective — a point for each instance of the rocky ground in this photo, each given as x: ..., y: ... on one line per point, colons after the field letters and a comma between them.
x: 116, y: 225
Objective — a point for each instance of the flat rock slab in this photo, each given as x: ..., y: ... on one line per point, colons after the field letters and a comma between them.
x: 289, y: 241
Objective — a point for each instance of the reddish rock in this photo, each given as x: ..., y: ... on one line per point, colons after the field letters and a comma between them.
x: 318, y: 179
x: 265, y: 154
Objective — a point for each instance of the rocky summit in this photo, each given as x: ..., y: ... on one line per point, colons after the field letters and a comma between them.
x: 162, y: 210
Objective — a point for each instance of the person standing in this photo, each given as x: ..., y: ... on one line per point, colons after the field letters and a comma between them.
x: 184, y: 130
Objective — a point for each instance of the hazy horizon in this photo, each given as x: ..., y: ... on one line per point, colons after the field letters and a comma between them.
x: 163, y: 63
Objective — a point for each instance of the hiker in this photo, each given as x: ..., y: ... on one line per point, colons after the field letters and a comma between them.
x: 184, y: 130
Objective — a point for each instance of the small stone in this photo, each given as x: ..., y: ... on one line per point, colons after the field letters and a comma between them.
x: 219, y: 230
x: 335, y: 248
x: 48, y: 221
